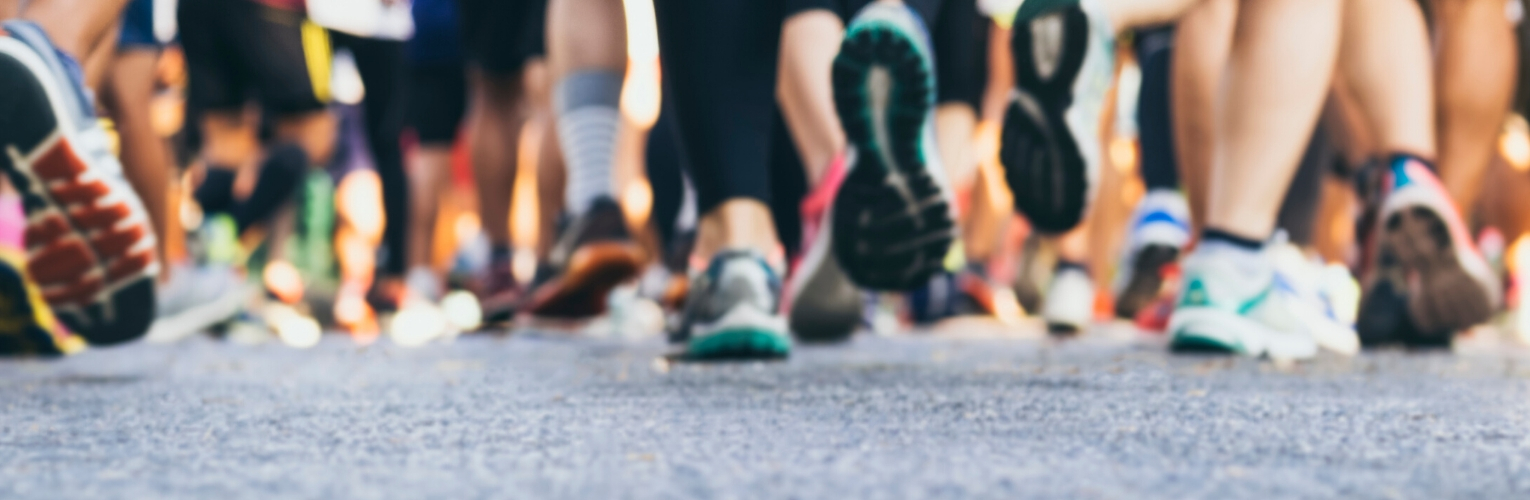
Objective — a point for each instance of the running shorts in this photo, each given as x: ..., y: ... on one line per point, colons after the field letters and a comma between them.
x: 238, y: 51
x: 499, y: 36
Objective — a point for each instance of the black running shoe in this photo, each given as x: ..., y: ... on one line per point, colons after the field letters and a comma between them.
x: 1064, y: 61
x: 892, y: 219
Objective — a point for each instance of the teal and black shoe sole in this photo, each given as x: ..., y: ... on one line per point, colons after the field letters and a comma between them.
x: 739, y: 344
x: 892, y: 223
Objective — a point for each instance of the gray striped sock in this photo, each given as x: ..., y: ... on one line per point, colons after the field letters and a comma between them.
x: 587, y: 107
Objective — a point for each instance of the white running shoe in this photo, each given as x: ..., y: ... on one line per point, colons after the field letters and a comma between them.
x: 1228, y: 306
x: 1069, y: 304
x: 1159, y: 230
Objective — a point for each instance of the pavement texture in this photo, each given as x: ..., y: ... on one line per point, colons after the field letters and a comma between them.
x: 547, y: 416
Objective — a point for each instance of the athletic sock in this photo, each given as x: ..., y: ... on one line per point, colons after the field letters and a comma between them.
x: 1245, y: 253
x: 587, y: 107
x: 1063, y: 265
x: 216, y: 193
x: 279, y: 177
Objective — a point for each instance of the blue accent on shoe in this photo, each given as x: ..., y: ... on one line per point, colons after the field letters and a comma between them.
x: 60, y: 63
x: 1162, y: 216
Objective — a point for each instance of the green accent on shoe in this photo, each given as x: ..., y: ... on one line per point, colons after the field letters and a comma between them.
x: 1193, y: 342
x: 1195, y: 295
x: 741, y: 343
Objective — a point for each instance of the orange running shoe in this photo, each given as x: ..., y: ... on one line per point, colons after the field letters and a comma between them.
x: 89, y: 244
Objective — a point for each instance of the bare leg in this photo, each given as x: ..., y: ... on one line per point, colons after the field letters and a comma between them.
x: 1282, y: 59
x: 429, y: 174
x: 497, y: 113
x: 1202, y: 41
x: 315, y: 132
x: 75, y: 26
x: 809, y: 42
x: 145, y: 156
x: 99, y: 61
x: 1385, y: 60
x: 1475, y: 76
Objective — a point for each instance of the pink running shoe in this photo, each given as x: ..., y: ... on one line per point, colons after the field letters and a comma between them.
x: 1424, y: 279
x: 821, y: 303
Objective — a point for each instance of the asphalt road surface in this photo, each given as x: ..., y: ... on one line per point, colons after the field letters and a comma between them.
x: 547, y: 416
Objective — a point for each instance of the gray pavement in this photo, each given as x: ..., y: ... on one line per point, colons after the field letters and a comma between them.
x: 544, y: 416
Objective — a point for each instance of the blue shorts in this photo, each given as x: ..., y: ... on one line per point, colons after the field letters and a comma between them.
x: 138, y: 27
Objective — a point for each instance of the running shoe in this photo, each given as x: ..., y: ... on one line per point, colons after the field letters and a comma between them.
x: 90, y: 246
x: 197, y: 297
x: 593, y: 254
x: 27, y: 326
x: 1424, y: 279
x: 731, y: 312
x: 1158, y: 231
x: 1321, y: 298
x: 1069, y: 305
x: 821, y: 303
x: 1064, y: 59
x: 892, y: 218
x: 967, y: 292
x: 500, y: 294
x: 1224, y: 307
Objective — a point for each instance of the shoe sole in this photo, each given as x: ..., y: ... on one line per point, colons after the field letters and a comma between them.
x: 1204, y: 329
x: 1146, y: 281
x: 113, y: 303
x: 739, y: 344
x: 1044, y: 164
x: 593, y: 271
x: 1420, y: 294
x: 893, y: 224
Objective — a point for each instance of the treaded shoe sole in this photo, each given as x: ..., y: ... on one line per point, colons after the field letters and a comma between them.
x: 1146, y: 281
x: 1420, y: 294
x: 1043, y: 163
x: 581, y: 292
x: 892, y: 222
x: 739, y: 344
x: 112, y: 300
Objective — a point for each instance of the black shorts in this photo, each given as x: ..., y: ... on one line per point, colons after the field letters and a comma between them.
x: 238, y: 51
x: 437, y: 103
x: 499, y: 36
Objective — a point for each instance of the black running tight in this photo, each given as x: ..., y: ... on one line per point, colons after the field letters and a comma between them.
x: 720, y: 59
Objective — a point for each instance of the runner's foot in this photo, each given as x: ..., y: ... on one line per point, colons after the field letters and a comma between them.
x: 731, y: 312
x: 1425, y: 280
x: 1050, y: 148
x: 1232, y: 301
x: 893, y: 222
x: 821, y: 303
x: 195, y: 298
x: 1069, y: 305
x: 594, y: 253
x: 91, y: 250
x: 1159, y: 229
